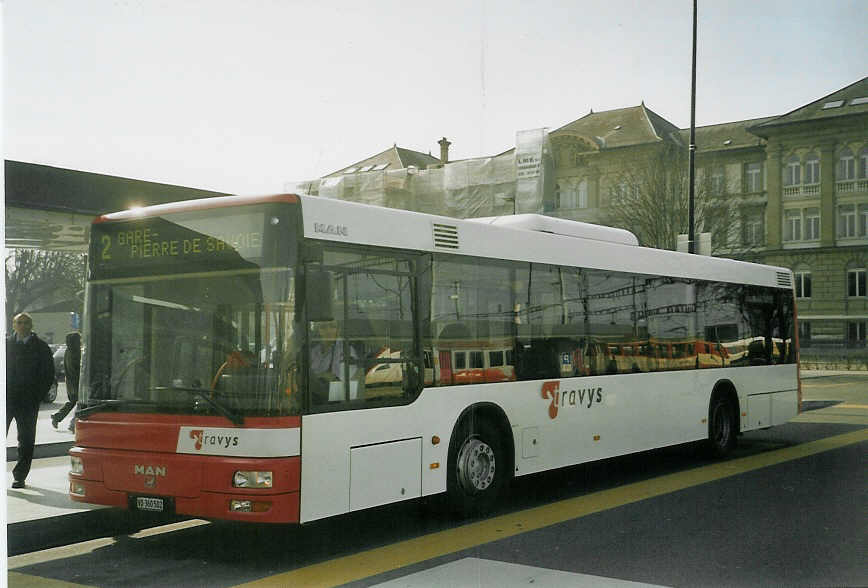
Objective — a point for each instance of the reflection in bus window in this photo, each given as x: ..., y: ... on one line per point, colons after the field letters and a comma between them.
x: 552, y: 322
x: 373, y: 310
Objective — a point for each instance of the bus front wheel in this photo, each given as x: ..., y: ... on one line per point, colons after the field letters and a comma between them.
x: 722, y: 427
x: 477, y: 467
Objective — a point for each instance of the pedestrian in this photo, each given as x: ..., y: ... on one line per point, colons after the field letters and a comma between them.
x: 29, y: 375
x: 72, y: 369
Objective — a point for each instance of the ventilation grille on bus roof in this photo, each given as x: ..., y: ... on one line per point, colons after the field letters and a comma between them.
x: 784, y: 280
x: 445, y: 236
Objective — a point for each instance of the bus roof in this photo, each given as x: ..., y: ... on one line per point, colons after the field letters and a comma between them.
x: 562, y: 242
x: 532, y: 238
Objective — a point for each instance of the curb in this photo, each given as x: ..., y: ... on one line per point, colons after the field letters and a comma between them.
x: 42, y: 451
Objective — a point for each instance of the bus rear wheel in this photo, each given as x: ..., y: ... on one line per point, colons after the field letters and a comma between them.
x: 722, y: 427
x: 477, y: 468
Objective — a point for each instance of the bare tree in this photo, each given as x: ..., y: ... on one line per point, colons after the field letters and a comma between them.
x: 650, y: 199
x: 35, y: 277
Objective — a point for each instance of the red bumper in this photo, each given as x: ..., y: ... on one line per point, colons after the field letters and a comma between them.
x: 197, y: 486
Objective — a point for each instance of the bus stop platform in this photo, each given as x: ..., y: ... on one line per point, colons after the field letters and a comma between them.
x: 50, y: 442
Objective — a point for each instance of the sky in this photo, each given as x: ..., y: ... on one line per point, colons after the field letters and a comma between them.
x: 249, y: 96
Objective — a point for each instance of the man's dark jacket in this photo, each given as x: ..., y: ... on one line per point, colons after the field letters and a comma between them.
x: 29, y: 371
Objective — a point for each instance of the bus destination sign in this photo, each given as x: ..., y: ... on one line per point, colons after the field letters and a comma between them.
x: 173, y: 239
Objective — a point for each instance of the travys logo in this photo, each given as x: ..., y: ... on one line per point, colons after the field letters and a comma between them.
x: 202, y: 438
x: 580, y: 397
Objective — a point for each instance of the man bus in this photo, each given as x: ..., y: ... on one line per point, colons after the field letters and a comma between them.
x: 200, y: 395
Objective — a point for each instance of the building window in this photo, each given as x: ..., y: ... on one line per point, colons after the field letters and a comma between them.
x: 804, y: 334
x: 803, y: 284
x: 802, y: 224
x: 753, y: 231
x: 717, y: 181
x: 570, y: 194
x: 862, y: 220
x: 856, y: 333
x: 793, y: 225
x: 812, y: 169
x: 753, y: 177
x: 846, y: 221
x: 812, y: 224
x: 863, y: 163
x: 856, y: 283
x: 846, y: 166
x: 752, y: 226
x: 583, y: 194
x: 793, y: 172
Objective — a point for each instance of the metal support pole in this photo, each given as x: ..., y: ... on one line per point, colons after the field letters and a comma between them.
x: 691, y: 236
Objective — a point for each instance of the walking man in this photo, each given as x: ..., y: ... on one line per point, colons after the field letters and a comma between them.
x: 29, y: 375
x: 72, y: 369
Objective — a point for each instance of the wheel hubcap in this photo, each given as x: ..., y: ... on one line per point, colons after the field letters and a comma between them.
x: 476, y: 466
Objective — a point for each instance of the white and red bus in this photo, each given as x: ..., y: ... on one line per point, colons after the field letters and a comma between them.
x: 289, y: 358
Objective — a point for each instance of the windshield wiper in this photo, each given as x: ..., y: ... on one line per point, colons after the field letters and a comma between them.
x: 205, y: 394
x: 83, y: 413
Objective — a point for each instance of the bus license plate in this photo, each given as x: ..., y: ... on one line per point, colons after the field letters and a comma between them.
x: 148, y: 503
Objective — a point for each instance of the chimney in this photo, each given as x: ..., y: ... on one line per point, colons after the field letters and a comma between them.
x: 444, y: 150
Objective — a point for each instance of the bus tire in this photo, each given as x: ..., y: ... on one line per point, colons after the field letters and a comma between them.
x: 722, y: 426
x: 478, y: 468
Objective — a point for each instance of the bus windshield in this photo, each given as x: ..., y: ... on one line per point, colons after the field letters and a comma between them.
x: 206, y: 333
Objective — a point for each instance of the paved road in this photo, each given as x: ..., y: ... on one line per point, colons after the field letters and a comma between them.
x: 787, y: 509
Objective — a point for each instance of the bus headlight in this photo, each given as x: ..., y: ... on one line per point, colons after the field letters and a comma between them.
x: 249, y: 506
x: 252, y: 480
x: 75, y: 465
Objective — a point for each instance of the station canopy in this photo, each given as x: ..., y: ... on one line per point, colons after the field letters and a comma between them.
x: 51, y: 208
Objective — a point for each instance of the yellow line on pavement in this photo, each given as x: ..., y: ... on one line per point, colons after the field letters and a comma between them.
x: 18, y: 580
x: 383, y: 559
x: 85, y: 547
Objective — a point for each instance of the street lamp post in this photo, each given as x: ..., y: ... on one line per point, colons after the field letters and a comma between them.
x: 691, y: 237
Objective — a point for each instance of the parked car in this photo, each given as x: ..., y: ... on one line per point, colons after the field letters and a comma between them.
x: 51, y: 395
x: 59, y: 371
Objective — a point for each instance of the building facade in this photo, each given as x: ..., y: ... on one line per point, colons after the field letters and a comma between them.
x: 788, y: 190
x: 816, y: 158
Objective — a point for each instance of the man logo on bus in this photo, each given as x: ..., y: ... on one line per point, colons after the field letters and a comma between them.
x: 552, y: 390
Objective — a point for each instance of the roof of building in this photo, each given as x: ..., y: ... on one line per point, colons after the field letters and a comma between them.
x: 848, y: 101
x: 392, y: 158
x: 622, y: 127
x: 726, y: 136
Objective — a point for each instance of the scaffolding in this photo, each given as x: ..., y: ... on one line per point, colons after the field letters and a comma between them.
x: 517, y: 181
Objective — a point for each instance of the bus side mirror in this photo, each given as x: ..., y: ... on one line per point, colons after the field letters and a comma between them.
x: 319, y: 296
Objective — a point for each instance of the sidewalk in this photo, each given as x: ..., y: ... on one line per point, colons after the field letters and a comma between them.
x: 807, y: 374
x: 47, y: 491
x: 50, y: 442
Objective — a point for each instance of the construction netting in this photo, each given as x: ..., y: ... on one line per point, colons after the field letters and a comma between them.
x: 516, y: 181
